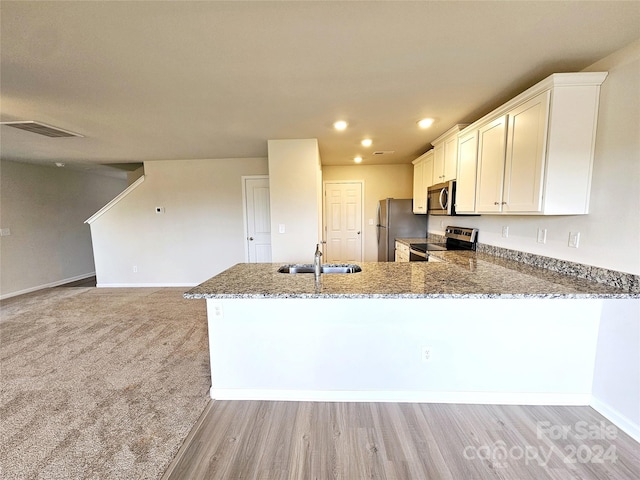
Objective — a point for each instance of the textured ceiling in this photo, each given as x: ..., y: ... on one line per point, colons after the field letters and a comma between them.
x: 188, y: 80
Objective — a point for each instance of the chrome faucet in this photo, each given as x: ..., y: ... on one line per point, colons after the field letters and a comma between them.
x: 317, y: 264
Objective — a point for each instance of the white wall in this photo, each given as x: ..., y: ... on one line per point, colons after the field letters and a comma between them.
x: 380, y: 181
x: 296, y: 202
x: 616, y: 379
x: 200, y: 233
x: 45, y: 209
x: 523, y: 351
x: 615, y: 190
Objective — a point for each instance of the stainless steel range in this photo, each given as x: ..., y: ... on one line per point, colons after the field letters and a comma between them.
x: 456, y: 238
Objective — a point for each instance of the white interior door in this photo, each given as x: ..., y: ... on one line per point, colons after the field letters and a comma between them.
x: 258, y: 219
x: 343, y: 222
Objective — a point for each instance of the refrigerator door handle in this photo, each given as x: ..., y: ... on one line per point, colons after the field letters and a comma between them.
x: 378, y: 224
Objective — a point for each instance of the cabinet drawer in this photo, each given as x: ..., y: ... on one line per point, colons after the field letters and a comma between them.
x: 402, y: 247
x: 402, y: 252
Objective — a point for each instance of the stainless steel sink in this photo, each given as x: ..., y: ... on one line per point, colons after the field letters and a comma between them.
x: 328, y: 268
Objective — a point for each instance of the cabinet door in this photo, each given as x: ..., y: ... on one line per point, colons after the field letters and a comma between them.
x: 419, y: 193
x: 427, y: 173
x: 438, y: 164
x: 491, y: 157
x: 526, y: 153
x: 450, y: 158
x: 467, y: 168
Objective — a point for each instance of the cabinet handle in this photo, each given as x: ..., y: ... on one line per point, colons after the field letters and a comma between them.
x: 496, y: 203
x: 504, y: 203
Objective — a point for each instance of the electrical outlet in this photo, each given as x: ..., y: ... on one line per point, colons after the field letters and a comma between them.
x: 215, y: 310
x: 135, y: 269
x: 5, y: 232
x: 542, y: 235
x: 574, y: 239
x: 371, y: 221
x: 441, y: 223
x: 505, y: 232
x: 426, y: 354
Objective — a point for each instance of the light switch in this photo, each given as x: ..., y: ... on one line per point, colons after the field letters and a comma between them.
x: 542, y: 235
x: 281, y: 228
x: 574, y: 239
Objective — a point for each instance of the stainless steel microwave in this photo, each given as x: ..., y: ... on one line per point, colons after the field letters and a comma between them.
x: 441, y: 198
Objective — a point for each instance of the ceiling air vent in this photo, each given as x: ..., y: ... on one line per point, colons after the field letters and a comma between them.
x: 384, y: 152
x: 41, y: 129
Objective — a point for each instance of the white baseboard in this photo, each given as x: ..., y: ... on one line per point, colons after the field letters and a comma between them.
x: 618, y: 419
x: 145, y: 285
x: 495, y: 398
x: 57, y: 283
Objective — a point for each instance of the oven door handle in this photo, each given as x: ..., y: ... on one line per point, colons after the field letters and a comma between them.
x: 418, y: 253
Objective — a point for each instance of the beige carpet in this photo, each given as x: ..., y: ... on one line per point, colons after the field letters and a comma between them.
x: 99, y: 383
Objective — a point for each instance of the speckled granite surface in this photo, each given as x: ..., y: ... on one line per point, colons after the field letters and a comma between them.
x: 462, y: 275
x: 626, y: 281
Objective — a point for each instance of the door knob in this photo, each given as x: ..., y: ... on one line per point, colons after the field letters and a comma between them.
x: 358, y: 233
x: 251, y: 239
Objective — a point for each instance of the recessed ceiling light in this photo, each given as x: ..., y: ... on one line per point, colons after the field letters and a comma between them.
x: 366, y: 142
x: 340, y: 125
x: 425, y: 122
x: 357, y: 159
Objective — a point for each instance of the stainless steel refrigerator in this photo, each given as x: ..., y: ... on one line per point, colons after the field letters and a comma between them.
x: 397, y: 220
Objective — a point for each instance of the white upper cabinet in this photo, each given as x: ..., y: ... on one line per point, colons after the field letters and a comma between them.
x: 438, y: 163
x: 422, y: 179
x: 445, y: 155
x: 491, y: 149
x: 467, y: 170
x: 535, y: 153
x: 427, y: 171
x: 525, y: 156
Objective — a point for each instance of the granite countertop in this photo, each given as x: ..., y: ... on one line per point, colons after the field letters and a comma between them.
x: 463, y: 274
x: 409, y: 241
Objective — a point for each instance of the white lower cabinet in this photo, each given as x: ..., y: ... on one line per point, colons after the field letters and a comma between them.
x: 402, y: 252
x: 534, y: 154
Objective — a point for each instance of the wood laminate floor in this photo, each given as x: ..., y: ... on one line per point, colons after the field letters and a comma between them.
x: 352, y: 441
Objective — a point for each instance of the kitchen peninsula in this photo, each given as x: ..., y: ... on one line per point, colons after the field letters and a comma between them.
x: 473, y: 329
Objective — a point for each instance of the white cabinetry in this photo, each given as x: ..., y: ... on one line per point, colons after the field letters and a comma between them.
x: 535, y: 153
x: 427, y: 172
x: 525, y: 155
x: 422, y: 179
x: 467, y: 169
x: 402, y: 252
x: 491, y: 149
x: 445, y: 155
